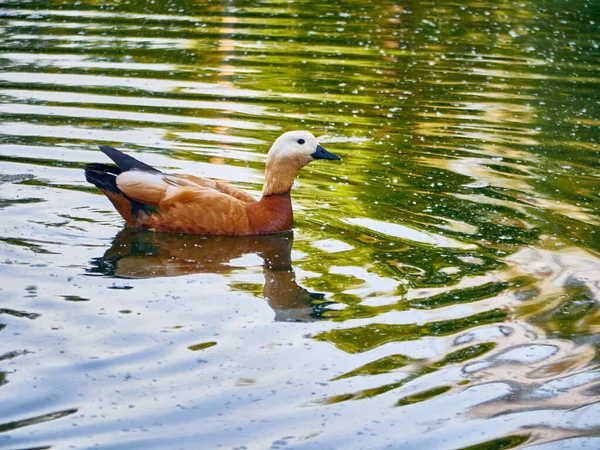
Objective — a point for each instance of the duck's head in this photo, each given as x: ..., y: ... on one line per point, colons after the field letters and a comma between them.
x: 290, y: 153
x: 297, y: 148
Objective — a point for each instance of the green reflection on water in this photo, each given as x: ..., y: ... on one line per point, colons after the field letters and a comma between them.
x: 361, y: 339
x: 506, y: 442
x: 423, y: 396
x: 201, y: 346
x: 382, y: 365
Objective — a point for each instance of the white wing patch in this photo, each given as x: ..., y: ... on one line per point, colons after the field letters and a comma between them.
x: 145, y: 187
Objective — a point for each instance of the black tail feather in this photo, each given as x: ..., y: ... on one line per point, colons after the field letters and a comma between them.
x: 103, y: 168
x: 126, y: 162
x: 103, y: 176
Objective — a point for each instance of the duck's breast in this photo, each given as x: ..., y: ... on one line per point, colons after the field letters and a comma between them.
x: 272, y: 214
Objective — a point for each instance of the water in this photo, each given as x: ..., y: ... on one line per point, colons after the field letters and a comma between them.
x: 440, y: 289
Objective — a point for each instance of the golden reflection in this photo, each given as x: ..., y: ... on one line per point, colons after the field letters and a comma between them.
x: 494, y: 124
x: 565, y: 298
x: 226, y: 47
x: 571, y: 211
x: 552, y: 375
x: 483, y: 175
x: 143, y: 254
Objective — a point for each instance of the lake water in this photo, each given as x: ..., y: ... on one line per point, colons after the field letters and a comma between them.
x: 441, y: 287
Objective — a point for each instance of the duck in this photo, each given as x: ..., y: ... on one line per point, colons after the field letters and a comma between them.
x: 180, y: 203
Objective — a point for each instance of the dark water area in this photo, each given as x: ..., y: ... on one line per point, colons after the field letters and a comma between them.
x: 440, y: 289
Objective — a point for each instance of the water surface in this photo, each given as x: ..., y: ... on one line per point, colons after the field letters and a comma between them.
x: 440, y: 289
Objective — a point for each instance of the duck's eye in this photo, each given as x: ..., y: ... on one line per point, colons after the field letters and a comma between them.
x: 300, y: 141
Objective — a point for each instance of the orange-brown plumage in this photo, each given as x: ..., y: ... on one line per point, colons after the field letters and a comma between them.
x: 148, y: 198
x: 121, y: 204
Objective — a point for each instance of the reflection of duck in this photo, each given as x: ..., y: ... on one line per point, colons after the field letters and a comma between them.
x: 148, y: 198
x: 139, y: 253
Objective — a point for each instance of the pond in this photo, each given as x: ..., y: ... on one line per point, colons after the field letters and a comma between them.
x: 440, y: 288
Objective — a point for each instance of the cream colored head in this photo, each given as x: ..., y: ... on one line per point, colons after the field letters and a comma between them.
x: 290, y: 153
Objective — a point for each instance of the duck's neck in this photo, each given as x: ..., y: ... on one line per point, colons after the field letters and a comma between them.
x: 279, y: 179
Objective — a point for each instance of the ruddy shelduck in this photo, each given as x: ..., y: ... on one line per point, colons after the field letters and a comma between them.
x: 148, y: 198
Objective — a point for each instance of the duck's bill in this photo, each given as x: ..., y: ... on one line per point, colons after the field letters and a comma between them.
x: 321, y: 153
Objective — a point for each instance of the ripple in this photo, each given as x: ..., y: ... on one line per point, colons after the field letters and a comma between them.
x: 403, y: 232
x: 128, y: 116
x: 91, y: 99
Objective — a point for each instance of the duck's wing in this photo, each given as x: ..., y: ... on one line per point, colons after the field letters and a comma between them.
x: 184, y: 205
x: 151, y: 188
x: 220, y: 186
x: 128, y: 164
x: 147, y: 188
